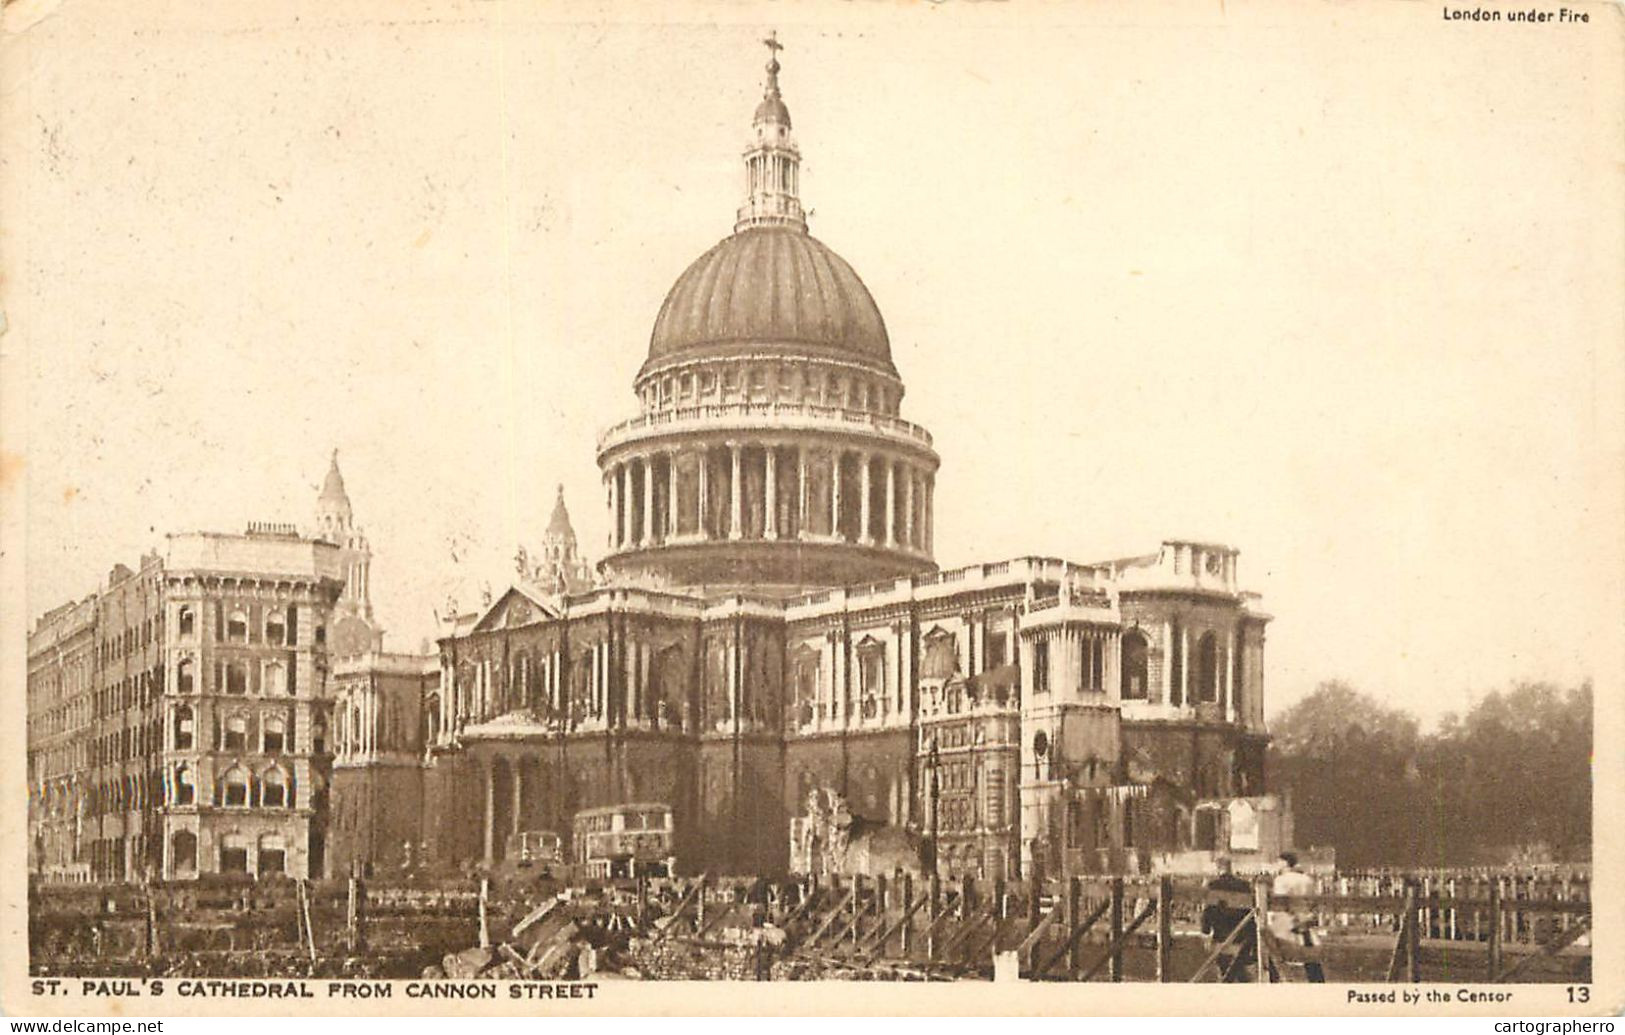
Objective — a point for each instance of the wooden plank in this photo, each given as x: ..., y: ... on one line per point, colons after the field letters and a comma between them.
x: 1114, y: 949
x: 1072, y: 937
x: 682, y: 904
x: 829, y: 920
x: 883, y: 933
x: 1213, y: 957
x: 1550, y: 949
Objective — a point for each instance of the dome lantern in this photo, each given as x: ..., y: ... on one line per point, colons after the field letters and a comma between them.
x: 772, y: 162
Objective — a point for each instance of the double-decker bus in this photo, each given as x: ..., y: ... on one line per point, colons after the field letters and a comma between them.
x: 624, y: 841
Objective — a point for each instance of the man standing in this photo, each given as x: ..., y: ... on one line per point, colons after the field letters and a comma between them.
x: 1294, y: 928
x: 1229, y: 899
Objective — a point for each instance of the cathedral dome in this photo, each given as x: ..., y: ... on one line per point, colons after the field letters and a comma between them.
x: 770, y: 285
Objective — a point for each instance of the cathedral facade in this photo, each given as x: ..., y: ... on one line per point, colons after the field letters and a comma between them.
x: 770, y: 643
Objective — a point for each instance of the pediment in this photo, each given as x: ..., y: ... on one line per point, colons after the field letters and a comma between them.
x: 514, y: 609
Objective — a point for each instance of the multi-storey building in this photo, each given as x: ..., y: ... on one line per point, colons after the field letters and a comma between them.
x: 179, y: 717
x: 772, y: 635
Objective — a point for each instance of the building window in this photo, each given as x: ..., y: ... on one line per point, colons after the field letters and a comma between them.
x: 183, y: 851
x: 275, y: 678
x: 184, y: 728
x: 275, y: 627
x: 319, y: 736
x: 185, y: 790
x: 273, y: 735
x: 236, y: 678
x: 1041, y: 667
x: 996, y: 652
x: 237, y: 627
x: 234, y: 788
x: 234, y: 854
x: 273, y: 789
x: 236, y: 733
x: 1176, y: 669
x: 273, y: 855
x: 188, y: 620
x: 941, y: 655
x: 1207, y: 668
x: 1136, y: 682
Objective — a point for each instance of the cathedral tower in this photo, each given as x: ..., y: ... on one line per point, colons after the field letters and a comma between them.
x: 769, y: 453
x: 354, y: 629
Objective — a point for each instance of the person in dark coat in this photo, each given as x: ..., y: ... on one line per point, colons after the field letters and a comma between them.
x: 1229, y: 900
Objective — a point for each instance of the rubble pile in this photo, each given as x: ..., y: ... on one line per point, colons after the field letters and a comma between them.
x: 682, y: 959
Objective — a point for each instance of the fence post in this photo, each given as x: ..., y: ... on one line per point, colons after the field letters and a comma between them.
x: 936, y: 911
x: 908, y: 925
x: 1165, y: 928
x: 1261, y: 922
x: 857, y: 905
x: 1117, y: 928
x: 1412, y: 934
x: 352, y: 915
x: 1034, y: 895
x: 485, y: 927
x: 1073, y: 904
x: 1495, y: 931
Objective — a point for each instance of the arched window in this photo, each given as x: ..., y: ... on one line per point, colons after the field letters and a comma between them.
x: 183, y: 676
x: 272, y: 856
x: 183, y: 851
x: 276, y: 678
x: 1207, y: 668
x: 185, y: 728
x: 273, y: 735
x: 234, y: 788
x: 236, y: 678
x: 273, y: 789
x: 275, y: 627
x: 188, y: 624
x: 941, y: 655
x: 236, y: 733
x: 237, y: 627
x: 1136, y: 681
x: 234, y: 854
x: 318, y: 733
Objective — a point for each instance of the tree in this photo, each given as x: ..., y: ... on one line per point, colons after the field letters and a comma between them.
x: 1512, y: 775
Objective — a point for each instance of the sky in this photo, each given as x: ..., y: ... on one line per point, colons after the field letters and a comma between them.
x: 1324, y: 282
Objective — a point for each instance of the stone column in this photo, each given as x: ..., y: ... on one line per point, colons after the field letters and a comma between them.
x: 835, y: 494
x: 1230, y: 676
x: 736, y: 513
x: 801, y: 492
x: 490, y: 814
x: 930, y: 491
x: 891, y: 503
x: 518, y: 794
x: 671, y: 494
x: 863, y: 499
x: 1167, y: 663
x: 612, y: 482
x: 702, y: 519
x: 908, y: 507
x: 624, y: 521
x: 648, y: 501
x: 770, y: 509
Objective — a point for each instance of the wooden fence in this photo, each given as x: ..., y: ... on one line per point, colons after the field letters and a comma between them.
x: 1083, y: 929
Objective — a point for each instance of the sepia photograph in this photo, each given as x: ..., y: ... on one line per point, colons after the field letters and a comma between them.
x: 507, y: 503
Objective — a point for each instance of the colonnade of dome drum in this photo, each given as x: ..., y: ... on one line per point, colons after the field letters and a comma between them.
x: 779, y: 489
